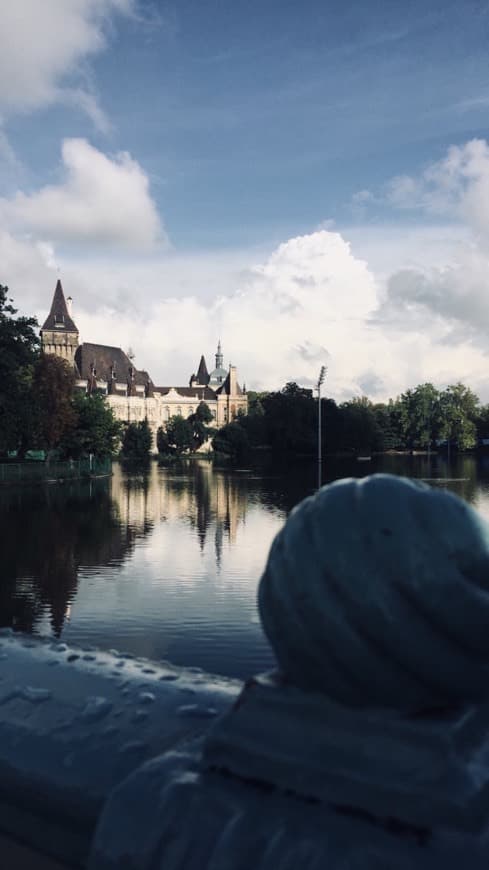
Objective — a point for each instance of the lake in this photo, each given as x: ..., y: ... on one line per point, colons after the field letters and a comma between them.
x: 166, y: 564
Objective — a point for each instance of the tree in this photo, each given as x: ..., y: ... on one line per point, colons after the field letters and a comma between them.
x: 459, y: 412
x: 180, y: 434
x: 360, y: 427
x: 198, y: 423
x: 162, y: 443
x: 232, y: 441
x: 95, y: 429
x: 482, y: 422
x: 291, y: 419
x: 19, y: 349
x: 52, y: 387
x: 420, y: 416
x: 137, y: 442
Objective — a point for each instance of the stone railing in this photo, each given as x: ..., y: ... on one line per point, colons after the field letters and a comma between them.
x: 368, y: 748
x: 75, y: 723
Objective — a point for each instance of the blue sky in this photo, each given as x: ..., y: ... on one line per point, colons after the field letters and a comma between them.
x: 248, y: 125
x: 257, y: 119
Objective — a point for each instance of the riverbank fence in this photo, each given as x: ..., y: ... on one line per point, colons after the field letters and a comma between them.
x: 48, y: 471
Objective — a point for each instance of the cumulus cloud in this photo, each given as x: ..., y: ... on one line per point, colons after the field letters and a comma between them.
x: 281, y: 314
x: 455, y: 293
x: 101, y: 200
x: 43, y: 46
x: 308, y: 303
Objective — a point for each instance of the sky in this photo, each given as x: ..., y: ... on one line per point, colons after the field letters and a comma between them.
x: 307, y: 182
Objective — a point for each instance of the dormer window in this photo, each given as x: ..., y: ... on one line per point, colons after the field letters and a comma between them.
x: 59, y: 320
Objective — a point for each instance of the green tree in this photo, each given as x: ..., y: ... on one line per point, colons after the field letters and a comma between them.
x: 482, y: 422
x: 291, y: 419
x: 198, y: 423
x: 52, y: 391
x: 360, y: 428
x: 232, y: 441
x: 180, y: 435
x: 19, y: 349
x: 420, y: 416
x: 95, y: 429
x: 162, y: 443
x: 459, y: 409
x: 137, y: 442
x: 255, y: 402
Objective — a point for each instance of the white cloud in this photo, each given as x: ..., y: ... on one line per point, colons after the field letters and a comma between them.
x: 102, y: 200
x: 43, y: 46
x: 398, y: 307
x: 310, y: 302
x: 23, y: 267
x: 456, y: 186
x: 442, y: 289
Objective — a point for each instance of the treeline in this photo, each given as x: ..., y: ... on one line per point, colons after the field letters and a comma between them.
x: 419, y: 419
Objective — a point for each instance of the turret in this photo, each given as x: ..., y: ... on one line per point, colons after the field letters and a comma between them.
x: 59, y: 334
x: 218, y: 376
x: 201, y: 379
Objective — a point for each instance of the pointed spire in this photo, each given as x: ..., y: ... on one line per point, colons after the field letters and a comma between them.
x: 219, y: 355
x: 202, y: 373
x: 59, y: 316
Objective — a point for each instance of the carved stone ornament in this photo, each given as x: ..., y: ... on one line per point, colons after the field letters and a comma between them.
x: 376, y: 593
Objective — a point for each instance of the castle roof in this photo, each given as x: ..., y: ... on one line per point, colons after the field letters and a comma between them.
x: 218, y: 375
x: 202, y: 373
x: 109, y: 362
x: 59, y: 317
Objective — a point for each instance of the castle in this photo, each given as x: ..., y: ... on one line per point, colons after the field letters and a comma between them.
x: 130, y: 392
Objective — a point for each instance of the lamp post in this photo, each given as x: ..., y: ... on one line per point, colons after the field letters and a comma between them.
x: 322, y: 375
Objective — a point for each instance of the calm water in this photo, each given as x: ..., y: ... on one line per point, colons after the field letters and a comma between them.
x: 166, y: 565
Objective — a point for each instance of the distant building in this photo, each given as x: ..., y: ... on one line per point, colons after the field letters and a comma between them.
x: 130, y: 392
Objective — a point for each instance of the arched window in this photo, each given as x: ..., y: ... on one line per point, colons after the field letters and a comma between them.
x: 190, y: 412
x: 167, y: 412
x: 179, y: 411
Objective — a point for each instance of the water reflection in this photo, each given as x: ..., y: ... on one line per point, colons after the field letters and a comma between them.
x: 193, y: 493
x: 166, y: 563
x: 47, y: 533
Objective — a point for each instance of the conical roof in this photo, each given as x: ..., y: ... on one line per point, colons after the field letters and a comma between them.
x: 59, y: 317
x: 202, y: 373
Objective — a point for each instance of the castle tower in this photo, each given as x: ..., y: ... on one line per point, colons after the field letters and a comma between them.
x: 218, y: 375
x: 59, y: 334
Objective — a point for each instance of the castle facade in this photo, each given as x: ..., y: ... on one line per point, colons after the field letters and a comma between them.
x: 130, y: 392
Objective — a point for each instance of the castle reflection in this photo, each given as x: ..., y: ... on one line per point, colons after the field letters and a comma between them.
x: 51, y: 533
x: 195, y: 494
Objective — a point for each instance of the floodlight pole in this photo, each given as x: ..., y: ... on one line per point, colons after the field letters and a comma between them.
x: 322, y: 375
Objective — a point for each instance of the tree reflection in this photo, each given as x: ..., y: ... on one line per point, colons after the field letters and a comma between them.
x: 48, y: 533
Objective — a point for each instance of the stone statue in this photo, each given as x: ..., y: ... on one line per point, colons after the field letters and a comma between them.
x: 369, y: 746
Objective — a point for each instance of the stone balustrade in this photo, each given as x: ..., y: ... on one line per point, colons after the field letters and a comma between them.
x: 73, y: 724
